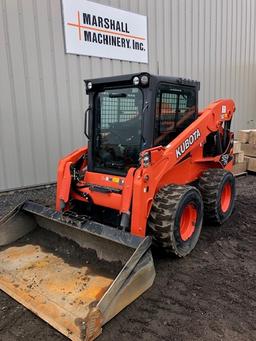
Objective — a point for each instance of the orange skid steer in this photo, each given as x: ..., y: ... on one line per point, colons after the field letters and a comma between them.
x: 153, y: 169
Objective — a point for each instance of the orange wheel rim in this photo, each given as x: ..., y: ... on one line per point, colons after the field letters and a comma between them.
x: 226, y: 196
x: 188, y: 221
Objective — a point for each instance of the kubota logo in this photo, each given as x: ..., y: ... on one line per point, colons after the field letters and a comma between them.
x: 187, y: 143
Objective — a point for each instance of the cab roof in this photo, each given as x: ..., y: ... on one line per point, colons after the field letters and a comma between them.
x: 127, y: 80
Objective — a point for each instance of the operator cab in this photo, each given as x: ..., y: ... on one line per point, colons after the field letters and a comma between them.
x: 130, y: 113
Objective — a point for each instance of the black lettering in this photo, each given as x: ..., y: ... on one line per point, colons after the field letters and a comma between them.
x: 106, y: 23
x: 94, y: 38
x: 87, y: 36
x: 99, y: 38
x: 112, y: 24
x: 118, y: 26
x: 123, y: 42
x: 126, y: 28
x: 112, y: 40
x: 100, y: 22
x: 94, y: 21
x: 135, y: 45
x: 87, y: 18
x: 105, y: 39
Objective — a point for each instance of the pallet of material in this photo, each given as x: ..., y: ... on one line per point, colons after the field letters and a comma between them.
x: 251, y: 164
x: 249, y: 149
x: 246, y: 136
x: 239, y: 157
x: 239, y: 168
x: 245, y: 144
x: 243, y: 136
x: 252, y: 137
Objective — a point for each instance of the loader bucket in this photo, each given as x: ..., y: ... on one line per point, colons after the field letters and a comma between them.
x: 75, y: 274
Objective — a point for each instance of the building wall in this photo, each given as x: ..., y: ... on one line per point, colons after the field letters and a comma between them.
x: 42, y: 96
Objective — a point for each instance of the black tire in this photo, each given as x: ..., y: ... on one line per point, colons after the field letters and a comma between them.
x: 165, y: 219
x: 212, y: 184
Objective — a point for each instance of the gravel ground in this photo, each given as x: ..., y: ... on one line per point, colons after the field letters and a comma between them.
x: 209, y: 295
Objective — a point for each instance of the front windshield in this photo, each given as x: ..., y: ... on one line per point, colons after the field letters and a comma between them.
x: 118, y: 117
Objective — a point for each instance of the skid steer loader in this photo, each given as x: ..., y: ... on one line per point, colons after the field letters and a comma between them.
x: 153, y: 168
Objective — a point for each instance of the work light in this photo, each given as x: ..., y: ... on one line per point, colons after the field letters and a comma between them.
x: 136, y: 80
x: 144, y: 79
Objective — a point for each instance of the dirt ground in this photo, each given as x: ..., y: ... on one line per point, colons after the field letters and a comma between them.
x: 209, y: 295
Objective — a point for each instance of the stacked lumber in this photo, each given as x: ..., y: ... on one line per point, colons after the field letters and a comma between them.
x: 240, y: 164
x: 245, y: 151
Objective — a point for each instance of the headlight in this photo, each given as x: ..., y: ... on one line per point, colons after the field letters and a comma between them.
x: 89, y: 85
x: 144, y: 80
x: 146, y: 159
x: 136, y: 80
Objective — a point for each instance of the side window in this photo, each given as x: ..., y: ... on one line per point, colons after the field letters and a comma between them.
x: 175, y: 110
x: 187, y: 110
x: 166, y: 110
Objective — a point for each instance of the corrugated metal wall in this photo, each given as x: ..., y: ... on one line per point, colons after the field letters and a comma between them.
x: 42, y: 95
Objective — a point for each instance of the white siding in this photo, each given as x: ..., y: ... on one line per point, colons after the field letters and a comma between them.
x: 42, y: 96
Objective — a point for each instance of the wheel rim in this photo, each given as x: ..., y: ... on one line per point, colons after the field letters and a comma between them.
x: 188, y: 221
x: 226, y: 196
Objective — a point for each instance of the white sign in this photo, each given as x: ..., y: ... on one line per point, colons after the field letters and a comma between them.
x: 92, y: 29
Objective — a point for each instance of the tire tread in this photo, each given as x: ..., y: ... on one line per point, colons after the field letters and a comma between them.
x: 162, y: 216
x: 209, y: 186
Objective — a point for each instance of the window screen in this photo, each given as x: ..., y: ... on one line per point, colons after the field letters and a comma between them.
x: 175, y: 110
x: 115, y: 109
